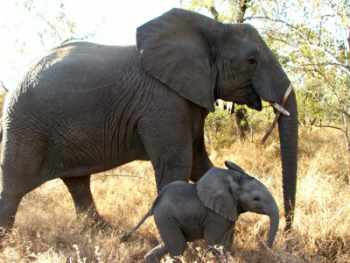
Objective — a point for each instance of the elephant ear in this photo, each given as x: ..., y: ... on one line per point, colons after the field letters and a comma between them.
x: 232, y: 166
x: 175, y: 49
x: 218, y: 191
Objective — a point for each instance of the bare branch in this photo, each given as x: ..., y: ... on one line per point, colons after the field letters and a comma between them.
x: 329, y: 126
x: 2, y: 85
x: 344, y: 112
x: 243, y: 6
x: 284, y: 41
x: 326, y: 64
x: 331, y: 56
x: 53, y: 28
x: 272, y: 20
x: 214, y: 13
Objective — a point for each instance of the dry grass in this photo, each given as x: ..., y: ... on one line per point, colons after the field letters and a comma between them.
x: 47, y: 229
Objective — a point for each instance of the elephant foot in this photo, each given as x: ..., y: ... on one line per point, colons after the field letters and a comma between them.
x: 93, y: 221
x: 8, y: 208
x: 101, y: 224
x: 151, y: 259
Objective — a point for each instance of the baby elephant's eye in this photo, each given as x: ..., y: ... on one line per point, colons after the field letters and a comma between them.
x: 256, y: 198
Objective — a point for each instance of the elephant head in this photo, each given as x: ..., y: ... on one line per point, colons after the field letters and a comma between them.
x: 230, y: 192
x: 203, y: 60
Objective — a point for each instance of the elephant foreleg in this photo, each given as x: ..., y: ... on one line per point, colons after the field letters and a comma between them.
x: 201, y: 162
x: 166, y: 173
x: 21, y: 166
x: 170, y: 151
x: 8, y: 208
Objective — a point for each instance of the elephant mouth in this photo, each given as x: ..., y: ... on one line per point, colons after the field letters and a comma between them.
x: 254, y: 101
x: 256, y: 105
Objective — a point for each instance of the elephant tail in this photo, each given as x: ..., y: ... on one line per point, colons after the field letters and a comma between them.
x: 126, y: 236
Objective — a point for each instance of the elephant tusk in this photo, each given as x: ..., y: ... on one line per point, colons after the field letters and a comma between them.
x: 280, y: 110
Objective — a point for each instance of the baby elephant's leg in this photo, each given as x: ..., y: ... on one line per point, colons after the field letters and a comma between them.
x: 219, y: 255
x: 155, y: 255
x: 171, y: 234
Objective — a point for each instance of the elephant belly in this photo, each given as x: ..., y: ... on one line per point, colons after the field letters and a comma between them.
x: 97, y: 132
x: 80, y: 151
x: 180, y: 200
x: 193, y: 230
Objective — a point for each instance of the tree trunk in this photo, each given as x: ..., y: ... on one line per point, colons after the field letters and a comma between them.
x: 243, y: 5
x: 241, y: 117
x: 242, y: 123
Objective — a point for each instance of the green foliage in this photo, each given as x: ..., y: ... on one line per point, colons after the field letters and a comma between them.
x: 219, y: 127
x: 218, y: 120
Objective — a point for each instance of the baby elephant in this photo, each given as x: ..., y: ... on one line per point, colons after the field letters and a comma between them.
x: 208, y: 209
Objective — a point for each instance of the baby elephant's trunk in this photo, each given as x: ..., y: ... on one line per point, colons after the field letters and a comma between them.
x: 274, y: 222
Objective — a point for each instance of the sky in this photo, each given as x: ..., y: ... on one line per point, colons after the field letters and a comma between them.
x: 114, y: 22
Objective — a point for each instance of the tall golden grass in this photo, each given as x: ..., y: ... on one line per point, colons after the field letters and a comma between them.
x: 47, y: 229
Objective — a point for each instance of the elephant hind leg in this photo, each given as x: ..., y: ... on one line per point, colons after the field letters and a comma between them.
x: 79, y: 188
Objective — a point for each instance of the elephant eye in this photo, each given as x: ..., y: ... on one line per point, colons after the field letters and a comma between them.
x: 252, y: 60
x: 256, y: 198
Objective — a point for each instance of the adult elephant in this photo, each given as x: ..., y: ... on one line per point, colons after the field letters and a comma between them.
x: 86, y: 108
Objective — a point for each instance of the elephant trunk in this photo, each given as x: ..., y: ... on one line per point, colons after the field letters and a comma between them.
x: 274, y: 222
x: 288, y: 133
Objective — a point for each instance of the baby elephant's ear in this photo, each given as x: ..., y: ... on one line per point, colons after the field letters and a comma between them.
x: 232, y: 166
x: 216, y: 190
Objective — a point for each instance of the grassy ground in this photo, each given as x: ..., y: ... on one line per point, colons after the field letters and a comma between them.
x: 47, y: 229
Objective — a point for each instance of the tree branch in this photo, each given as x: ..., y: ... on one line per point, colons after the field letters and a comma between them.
x: 326, y: 64
x: 329, y: 126
x: 329, y: 54
x: 2, y: 85
x: 214, y: 13
x: 272, y: 20
x: 243, y: 6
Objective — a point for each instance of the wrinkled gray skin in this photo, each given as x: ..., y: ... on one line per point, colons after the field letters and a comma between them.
x: 86, y: 108
x: 209, y: 209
